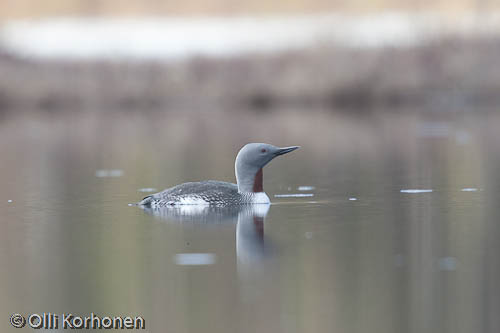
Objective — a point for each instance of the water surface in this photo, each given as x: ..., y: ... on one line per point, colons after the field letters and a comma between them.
x: 389, y: 261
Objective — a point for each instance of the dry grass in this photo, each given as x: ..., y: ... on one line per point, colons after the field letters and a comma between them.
x: 449, y: 73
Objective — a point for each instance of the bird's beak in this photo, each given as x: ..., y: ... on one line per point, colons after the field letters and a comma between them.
x: 285, y: 150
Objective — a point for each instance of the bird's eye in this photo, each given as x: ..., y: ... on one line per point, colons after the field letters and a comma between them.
x: 263, y: 150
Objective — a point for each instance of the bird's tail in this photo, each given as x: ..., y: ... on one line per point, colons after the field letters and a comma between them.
x: 146, y: 201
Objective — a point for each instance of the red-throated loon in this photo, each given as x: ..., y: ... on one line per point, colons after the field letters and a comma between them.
x: 248, y: 190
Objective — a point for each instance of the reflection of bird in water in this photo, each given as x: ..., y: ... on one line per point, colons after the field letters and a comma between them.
x: 197, y: 213
x: 248, y: 190
x: 249, y: 221
x: 250, y: 245
x: 256, y: 265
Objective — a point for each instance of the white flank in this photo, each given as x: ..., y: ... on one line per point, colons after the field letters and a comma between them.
x: 189, y: 210
x: 192, y: 200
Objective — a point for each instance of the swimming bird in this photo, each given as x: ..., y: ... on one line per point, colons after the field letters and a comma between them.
x: 248, y: 190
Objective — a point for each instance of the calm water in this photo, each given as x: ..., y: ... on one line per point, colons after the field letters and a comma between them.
x: 351, y: 253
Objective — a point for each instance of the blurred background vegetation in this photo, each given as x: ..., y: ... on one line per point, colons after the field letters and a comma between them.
x: 435, y: 54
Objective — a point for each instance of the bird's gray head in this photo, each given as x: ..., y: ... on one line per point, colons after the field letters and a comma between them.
x: 250, y: 161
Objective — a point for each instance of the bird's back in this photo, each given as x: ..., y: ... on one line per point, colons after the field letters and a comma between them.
x: 210, y: 192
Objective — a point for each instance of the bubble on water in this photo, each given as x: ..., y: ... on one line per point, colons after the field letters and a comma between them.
x: 416, y: 191
x: 306, y: 188
x: 462, y: 137
x: 195, y: 259
x: 469, y: 189
x: 147, y: 189
x: 448, y: 263
x: 434, y: 129
x: 103, y: 173
x: 399, y: 260
x: 294, y: 195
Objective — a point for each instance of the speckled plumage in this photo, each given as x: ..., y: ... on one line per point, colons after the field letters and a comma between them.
x: 209, y: 192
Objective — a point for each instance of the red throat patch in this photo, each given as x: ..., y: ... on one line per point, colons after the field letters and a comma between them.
x: 257, y: 182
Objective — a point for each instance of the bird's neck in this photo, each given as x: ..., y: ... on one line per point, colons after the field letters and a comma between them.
x: 250, y: 180
x: 257, y: 182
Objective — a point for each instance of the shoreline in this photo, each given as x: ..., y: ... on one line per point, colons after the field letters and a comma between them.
x: 445, y: 74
